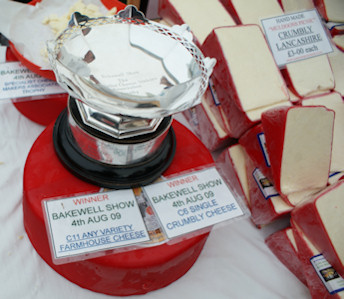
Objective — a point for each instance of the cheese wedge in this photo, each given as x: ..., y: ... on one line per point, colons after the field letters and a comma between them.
x: 206, y: 120
x: 265, y: 203
x: 321, y: 219
x: 231, y: 164
x: 333, y: 101
x: 310, y: 76
x: 253, y: 141
x: 299, y: 143
x: 250, y: 78
x: 282, y: 243
x: 201, y: 16
x: 307, y: 254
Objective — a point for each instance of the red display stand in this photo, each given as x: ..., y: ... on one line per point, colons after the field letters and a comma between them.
x: 125, y: 273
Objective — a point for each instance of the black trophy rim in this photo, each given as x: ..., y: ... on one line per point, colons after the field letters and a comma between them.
x: 107, y: 175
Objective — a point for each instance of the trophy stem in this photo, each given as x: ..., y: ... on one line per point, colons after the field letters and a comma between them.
x: 111, y: 162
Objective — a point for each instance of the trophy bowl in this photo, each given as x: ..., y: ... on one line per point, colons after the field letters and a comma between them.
x: 126, y: 77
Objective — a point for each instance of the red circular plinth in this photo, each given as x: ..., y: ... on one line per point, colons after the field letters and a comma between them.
x: 40, y: 109
x: 127, y: 273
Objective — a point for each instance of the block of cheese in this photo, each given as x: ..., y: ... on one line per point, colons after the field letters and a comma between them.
x: 124, y: 273
x: 236, y: 120
x: 231, y: 164
x: 265, y: 203
x: 321, y: 219
x: 337, y: 64
x: 331, y: 10
x: 207, y: 122
x: 299, y: 143
x: 249, y: 77
x: 310, y: 76
x: 252, y: 11
x: 282, y: 244
x: 201, y: 16
x: 253, y: 141
x: 333, y: 101
x: 296, y: 5
x: 318, y: 279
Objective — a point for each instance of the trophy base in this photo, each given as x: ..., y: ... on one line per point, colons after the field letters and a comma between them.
x: 119, y: 274
x: 108, y: 175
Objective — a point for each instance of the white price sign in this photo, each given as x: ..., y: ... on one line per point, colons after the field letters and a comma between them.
x: 192, y: 202
x: 92, y: 223
x: 296, y: 36
x: 17, y: 81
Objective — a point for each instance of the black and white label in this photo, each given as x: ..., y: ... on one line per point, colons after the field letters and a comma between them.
x: 296, y: 36
x: 192, y: 202
x: 333, y: 282
x: 92, y: 223
x: 17, y: 81
x: 265, y: 186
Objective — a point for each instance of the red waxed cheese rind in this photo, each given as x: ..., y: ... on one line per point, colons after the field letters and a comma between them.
x: 168, y: 12
x: 314, y: 283
x: 278, y: 124
x: 307, y: 217
x: 283, y: 248
x: 273, y: 123
x: 256, y: 150
x: 40, y: 110
x: 126, y: 273
x: 263, y: 211
x: 232, y: 11
x: 203, y: 124
x: 221, y: 73
x: 238, y: 121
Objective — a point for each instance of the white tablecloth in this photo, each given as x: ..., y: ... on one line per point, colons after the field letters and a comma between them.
x: 235, y: 262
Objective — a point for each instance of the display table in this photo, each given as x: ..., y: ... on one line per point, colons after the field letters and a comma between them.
x: 235, y: 262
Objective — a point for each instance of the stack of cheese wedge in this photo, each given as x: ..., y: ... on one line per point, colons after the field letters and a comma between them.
x: 278, y: 133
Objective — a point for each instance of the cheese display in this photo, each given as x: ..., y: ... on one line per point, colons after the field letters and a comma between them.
x: 319, y: 218
x: 331, y: 10
x: 333, y: 101
x: 298, y: 160
x: 202, y: 17
x: 277, y: 136
x: 282, y: 243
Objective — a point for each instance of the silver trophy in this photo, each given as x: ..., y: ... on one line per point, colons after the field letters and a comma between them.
x: 126, y: 77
